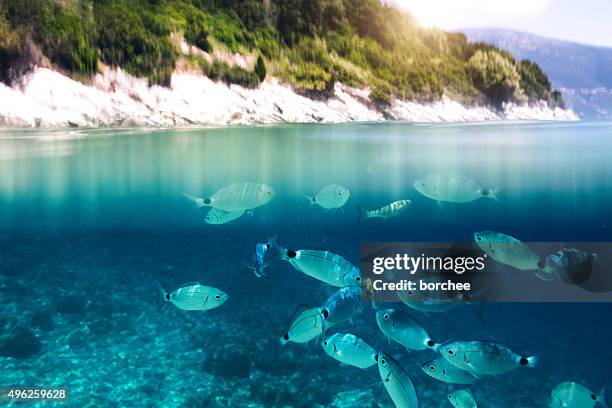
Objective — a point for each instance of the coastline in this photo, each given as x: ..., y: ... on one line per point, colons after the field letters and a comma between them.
x: 45, y: 98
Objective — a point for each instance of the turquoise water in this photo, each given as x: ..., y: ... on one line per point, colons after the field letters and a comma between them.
x: 89, y: 220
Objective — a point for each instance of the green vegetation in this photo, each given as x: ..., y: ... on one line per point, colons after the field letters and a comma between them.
x: 309, y: 43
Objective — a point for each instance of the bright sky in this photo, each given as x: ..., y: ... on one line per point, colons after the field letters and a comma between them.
x: 585, y: 21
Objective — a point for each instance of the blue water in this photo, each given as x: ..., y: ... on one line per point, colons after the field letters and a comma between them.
x: 89, y: 220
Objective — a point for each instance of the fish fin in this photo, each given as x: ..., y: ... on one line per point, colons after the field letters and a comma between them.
x: 361, y: 214
x: 603, y: 397
x: 199, y: 202
x: 163, y: 298
x: 311, y: 199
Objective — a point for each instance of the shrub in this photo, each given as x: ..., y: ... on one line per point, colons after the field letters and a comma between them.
x: 260, y: 68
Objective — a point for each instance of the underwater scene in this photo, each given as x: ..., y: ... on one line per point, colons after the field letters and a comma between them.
x: 219, y: 267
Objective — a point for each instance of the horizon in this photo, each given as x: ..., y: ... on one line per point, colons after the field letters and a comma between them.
x: 586, y: 23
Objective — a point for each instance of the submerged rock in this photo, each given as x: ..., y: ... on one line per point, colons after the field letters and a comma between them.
x: 228, y: 361
x: 18, y: 341
x: 71, y: 304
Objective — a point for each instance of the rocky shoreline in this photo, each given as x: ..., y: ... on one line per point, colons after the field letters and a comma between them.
x: 45, y: 98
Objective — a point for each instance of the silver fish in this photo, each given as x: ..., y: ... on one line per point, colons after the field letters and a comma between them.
x: 349, y: 349
x: 419, y: 300
x: 507, y: 250
x: 241, y: 196
x: 462, y: 399
x: 397, y: 382
x: 442, y: 370
x: 214, y: 216
x: 402, y: 328
x: 390, y: 210
x: 343, y: 305
x: 482, y: 357
x: 331, y: 197
x: 570, y: 264
x: 325, y: 266
x: 574, y: 395
x: 452, y: 188
x: 194, y: 297
x: 306, y: 326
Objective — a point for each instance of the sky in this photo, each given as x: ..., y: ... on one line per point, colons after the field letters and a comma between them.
x: 584, y: 21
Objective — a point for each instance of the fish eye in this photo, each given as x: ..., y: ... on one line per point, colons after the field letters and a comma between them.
x: 326, y: 342
x: 358, y: 279
x: 385, y: 316
x: 383, y: 362
x: 217, y: 297
x: 594, y: 397
x: 451, y: 352
x: 450, y: 397
x: 432, y: 367
x: 479, y: 238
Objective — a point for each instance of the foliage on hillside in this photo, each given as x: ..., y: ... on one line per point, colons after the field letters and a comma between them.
x: 309, y: 43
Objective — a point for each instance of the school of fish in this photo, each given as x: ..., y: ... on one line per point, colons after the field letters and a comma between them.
x: 460, y: 364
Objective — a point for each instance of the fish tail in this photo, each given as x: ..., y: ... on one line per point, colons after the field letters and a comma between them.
x: 603, y: 397
x: 163, y: 296
x: 529, y: 361
x: 311, y: 199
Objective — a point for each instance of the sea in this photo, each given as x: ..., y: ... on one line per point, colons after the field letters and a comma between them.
x: 91, y: 221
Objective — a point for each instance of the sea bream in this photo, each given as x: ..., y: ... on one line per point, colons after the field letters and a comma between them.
x: 452, y: 188
x: 388, y: 211
x: 573, y: 395
x: 237, y: 197
x: 343, y: 305
x: 194, y: 297
x: 349, y: 349
x: 397, y: 382
x: 482, y: 357
x: 306, y: 326
x: 442, y: 370
x: 331, y: 197
x: 399, y: 326
x: 507, y: 250
x: 325, y: 266
x: 462, y: 399
x: 214, y: 216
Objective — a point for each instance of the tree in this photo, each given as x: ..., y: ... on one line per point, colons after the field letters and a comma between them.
x: 260, y: 68
x: 495, y: 76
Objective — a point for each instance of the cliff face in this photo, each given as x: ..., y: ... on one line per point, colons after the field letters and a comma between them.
x: 46, y: 98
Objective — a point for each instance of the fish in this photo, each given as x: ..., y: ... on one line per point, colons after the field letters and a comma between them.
x: 419, y: 300
x: 399, y: 326
x: 452, y: 188
x: 307, y: 326
x: 325, y: 266
x: 507, y: 250
x: 573, y: 395
x: 349, y: 349
x: 570, y: 264
x: 240, y: 197
x: 483, y: 357
x: 397, y: 382
x: 462, y: 399
x: 442, y: 370
x: 331, y: 197
x: 214, y: 216
x: 343, y: 305
x: 261, y: 248
x: 194, y: 297
x: 390, y: 210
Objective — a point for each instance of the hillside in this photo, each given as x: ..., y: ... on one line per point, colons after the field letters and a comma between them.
x: 581, y: 71
x: 311, y: 44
